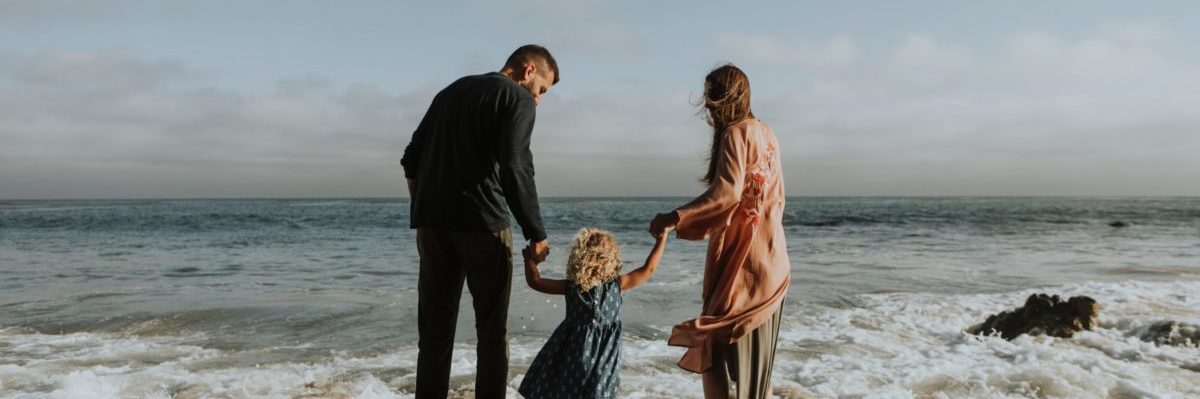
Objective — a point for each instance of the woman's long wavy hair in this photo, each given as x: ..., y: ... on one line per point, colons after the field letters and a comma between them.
x: 595, y: 258
x: 726, y: 102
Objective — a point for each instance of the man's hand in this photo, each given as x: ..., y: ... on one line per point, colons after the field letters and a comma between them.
x: 537, y: 251
x: 527, y: 256
x: 663, y: 222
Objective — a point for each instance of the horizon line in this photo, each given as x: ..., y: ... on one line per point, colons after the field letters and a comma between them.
x: 596, y: 197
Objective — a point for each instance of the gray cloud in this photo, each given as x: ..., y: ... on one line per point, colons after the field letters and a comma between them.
x: 135, y: 128
x: 108, y: 124
x: 1031, y: 114
x: 836, y: 52
x: 51, y: 14
x: 1034, y: 115
x: 610, y: 39
x: 30, y: 11
x: 639, y: 142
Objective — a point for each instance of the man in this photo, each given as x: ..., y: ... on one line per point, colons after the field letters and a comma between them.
x: 468, y: 158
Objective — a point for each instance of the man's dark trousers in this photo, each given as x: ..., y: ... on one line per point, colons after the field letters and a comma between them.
x: 484, y: 261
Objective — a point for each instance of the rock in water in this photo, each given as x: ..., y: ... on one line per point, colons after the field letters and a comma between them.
x: 1171, y: 333
x: 1043, y: 314
x: 1118, y: 224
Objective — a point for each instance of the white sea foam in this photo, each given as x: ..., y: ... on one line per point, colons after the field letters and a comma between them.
x: 913, y: 345
x: 888, y: 346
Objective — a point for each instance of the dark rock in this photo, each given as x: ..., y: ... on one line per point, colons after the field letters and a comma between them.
x: 1043, y: 314
x: 1171, y: 333
x: 1118, y: 224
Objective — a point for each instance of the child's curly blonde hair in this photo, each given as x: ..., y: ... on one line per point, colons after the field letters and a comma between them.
x: 595, y: 258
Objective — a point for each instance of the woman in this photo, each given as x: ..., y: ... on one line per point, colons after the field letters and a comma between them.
x: 746, y: 271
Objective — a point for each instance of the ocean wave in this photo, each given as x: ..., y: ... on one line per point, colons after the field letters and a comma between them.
x: 201, y: 216
x: 1139, y: 270
x: 791, y: 220
x: 905, y: 345
x: 981, y: 214
x: 876, y: 345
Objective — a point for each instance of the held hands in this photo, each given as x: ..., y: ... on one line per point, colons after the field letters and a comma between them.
x: 663, y: 223
x: 660, y: 241
x: 534, y: 254
x: 536, y: 251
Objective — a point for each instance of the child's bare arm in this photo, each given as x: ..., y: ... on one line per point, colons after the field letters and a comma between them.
x: 638, y: 276
x: 539, y: 284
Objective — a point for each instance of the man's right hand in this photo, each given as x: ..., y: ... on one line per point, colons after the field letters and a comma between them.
x: 537, y: 250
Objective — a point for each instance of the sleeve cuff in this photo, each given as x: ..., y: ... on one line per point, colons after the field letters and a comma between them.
x: 535, y: 237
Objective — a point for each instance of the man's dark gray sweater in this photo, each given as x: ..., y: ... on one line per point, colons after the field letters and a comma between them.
x: 470, y: 157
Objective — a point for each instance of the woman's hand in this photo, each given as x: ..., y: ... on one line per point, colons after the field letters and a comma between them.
x: 663, y: 222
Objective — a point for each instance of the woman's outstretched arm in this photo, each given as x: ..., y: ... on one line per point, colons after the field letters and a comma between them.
x: 539, y: 284
x: 635, y: 278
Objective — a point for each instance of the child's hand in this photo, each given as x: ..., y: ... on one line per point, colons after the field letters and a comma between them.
x: 529, y: 258
x: 635, y: 278
x: 662, y: 238
x: 534, y: 278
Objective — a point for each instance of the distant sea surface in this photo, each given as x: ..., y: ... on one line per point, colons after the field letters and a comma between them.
x: 317, y: 298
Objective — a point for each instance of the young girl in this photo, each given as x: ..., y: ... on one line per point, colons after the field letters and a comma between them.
x: 582, y: 359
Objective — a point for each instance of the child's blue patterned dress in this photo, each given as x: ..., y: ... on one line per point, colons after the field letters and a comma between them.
x: 582, y: 359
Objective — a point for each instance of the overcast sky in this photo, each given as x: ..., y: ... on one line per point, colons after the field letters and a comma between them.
x: 152, y: 99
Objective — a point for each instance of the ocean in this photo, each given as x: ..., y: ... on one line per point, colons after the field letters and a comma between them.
x: 314, y: 298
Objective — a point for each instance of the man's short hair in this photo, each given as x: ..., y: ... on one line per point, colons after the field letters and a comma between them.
x: 529, y: 53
